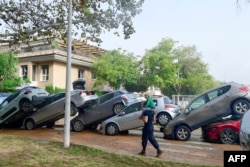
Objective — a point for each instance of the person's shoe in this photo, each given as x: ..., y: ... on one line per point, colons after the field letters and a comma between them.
x: 143, y: 153
x: 159, y: 152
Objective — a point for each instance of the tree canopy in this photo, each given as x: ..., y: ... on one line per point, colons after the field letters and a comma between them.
x: 8, y: 78
x: 115, y: 69
x: 24, y: 19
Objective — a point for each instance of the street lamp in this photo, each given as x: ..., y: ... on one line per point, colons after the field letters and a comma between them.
x: 68, y: 80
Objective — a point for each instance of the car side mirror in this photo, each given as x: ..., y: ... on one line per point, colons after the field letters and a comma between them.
x: 121, y: 114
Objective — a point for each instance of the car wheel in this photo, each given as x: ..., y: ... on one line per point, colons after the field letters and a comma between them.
x: 228, y: 136
x: 182, y: 133
x: 30, y: 124
x: 50, y: 125
x: 118, y: 108
x: 78, y: 126
x: 163, y: 119
x: 112, y: 129
x: 26, y: 105
x: 240, y: 106
x: 73, y: 109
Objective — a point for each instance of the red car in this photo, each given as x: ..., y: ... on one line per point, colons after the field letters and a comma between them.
x: 226, y: 132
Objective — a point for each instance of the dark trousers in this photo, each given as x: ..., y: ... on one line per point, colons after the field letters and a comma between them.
x: 148, y: 134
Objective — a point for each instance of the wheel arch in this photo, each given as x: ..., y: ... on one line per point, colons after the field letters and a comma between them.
x: 165, y: 112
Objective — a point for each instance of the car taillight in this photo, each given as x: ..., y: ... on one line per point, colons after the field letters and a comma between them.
x: 82, y: 93
x: 244, y: 88
x: 169, y: 106
x: 27, y: 92
x: 124, y: 97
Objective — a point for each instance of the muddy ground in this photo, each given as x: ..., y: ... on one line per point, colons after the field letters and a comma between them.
x: 194, y: 151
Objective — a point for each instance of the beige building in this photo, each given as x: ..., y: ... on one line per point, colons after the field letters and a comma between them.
x: 45, y: 64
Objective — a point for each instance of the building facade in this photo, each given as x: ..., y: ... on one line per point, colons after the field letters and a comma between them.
x: 44, y: 63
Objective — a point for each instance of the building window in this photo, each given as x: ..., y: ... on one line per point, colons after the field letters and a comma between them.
x: 80, y: 74
x: 93, y: 76
x: 34, y: 73
x: 45, y: 73
x: 24, y: 72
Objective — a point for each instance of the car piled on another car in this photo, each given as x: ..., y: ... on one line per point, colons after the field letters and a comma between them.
x: 228, y: 99
x: 20, y: 104
x: 126, y: 120
x: 53, y: 109
x: 102, y: 108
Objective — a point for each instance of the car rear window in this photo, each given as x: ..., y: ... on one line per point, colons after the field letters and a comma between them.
x: 167, y: 100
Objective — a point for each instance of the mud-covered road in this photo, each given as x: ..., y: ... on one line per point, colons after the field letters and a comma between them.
x: 193, y: 151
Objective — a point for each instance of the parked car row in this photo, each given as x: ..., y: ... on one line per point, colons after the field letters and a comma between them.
x: 218, y: 112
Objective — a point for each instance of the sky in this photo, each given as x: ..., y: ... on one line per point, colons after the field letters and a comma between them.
x: 219, y: 30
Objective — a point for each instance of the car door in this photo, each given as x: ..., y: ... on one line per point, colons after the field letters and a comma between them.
x: 100, y: 111
x: 219, y: 101
x: 52, y: 110
x: 130, y: 120
x: 199, y: 112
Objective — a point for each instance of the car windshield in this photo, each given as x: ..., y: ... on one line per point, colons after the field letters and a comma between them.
x: 134, y: 107
x: 9, y: 99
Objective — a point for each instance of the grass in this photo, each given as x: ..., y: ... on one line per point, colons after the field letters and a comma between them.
x: 24, y: 152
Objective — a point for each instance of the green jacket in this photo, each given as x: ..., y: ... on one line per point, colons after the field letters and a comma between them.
x: 150, y: 103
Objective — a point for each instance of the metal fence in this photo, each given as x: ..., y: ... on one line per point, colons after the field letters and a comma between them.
x: 182, y: 100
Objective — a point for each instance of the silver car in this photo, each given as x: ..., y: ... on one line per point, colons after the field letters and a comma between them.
x: 53, y: 109
x: 126, y: 120
x: 245, y: 131
x: 229, y: 99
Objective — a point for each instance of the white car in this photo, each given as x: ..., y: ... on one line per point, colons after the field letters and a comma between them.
x: 21, y: 103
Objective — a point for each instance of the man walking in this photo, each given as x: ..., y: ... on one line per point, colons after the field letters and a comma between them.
x: 148, y: 118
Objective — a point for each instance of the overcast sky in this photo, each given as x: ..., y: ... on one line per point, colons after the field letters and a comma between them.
x: 219, y: 30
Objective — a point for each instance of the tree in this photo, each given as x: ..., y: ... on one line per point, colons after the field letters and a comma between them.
x: 176, y: 70
x: 8, y: 78
x: 24, y: 19
x: 115, y: 69
x: 158, y: 64
x: 192, y: 73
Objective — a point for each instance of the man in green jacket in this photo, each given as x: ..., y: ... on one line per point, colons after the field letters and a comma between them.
x: 148, y: 118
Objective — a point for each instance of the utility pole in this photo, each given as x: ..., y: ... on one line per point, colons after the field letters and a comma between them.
x: 68, y: 80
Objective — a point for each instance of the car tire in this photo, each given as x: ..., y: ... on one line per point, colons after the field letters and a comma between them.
x: 240, y: 106
x: 182, y: 133
x: 78, y: 126
x: 228, y: 136
x: 30, y: 124
x: 50, y: 125
x: 118, y: 107
x: 163, y: 119
x: 26, y: 105
x: 112, y: 129
x: 73, y: 109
